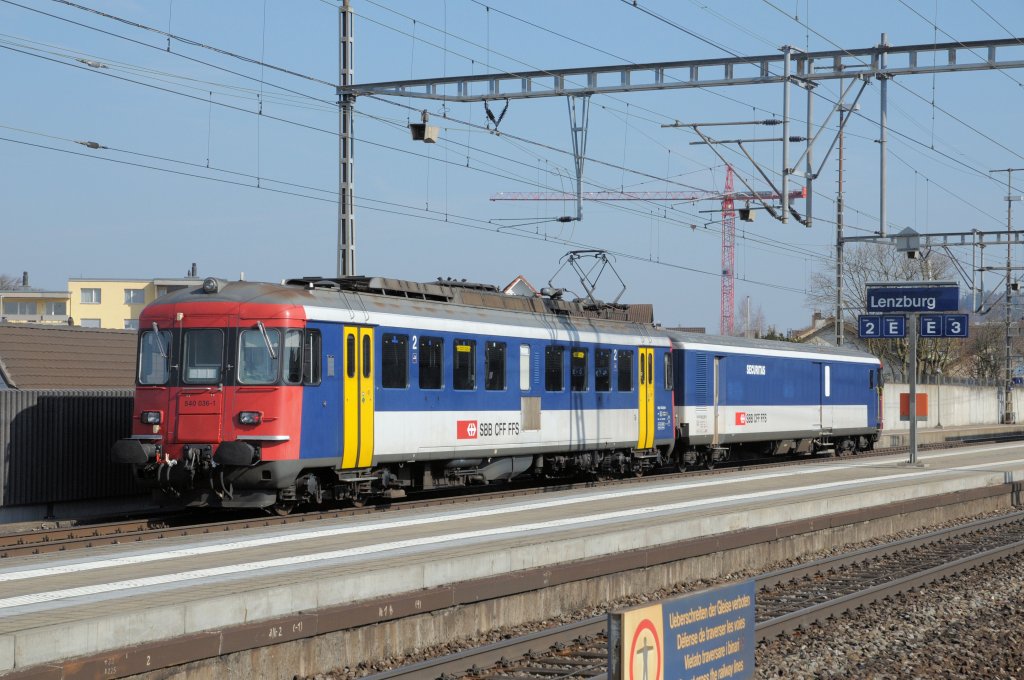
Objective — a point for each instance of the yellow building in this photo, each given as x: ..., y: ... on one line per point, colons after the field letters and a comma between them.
x: 24, y: 304
x: 117, y: 303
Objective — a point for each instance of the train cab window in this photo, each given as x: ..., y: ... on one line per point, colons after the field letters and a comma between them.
x: 367, y: 356
x: 350, y: 355
x: 625, y: 370
x: 257, y: 364
x: 431, y: 362
x: 154, y: 357
x: 668, y: 371
x: 554, y: 368
x: 464, y: 365
x: 204, y: 352
x: 578, y: 369
x: 494, y: 365
x: 293, y: 356
x: 603, y: 370
x: 524, y: 368
x: 394, y: 361
x: 311, y: 358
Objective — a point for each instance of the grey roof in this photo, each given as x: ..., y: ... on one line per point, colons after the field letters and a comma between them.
x: 43, y: 357
x: 728, y: 341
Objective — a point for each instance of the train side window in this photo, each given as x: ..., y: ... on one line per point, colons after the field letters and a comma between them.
x: 871, y: 379
x: 668, y: 370
x: 554, y: 368
x: 431, y: 362
x: 494, y: 365
x: 311, y: 358
x: 204, y: 352
x: 367, y: 356
x: 464, y: 365
x: 293, y: 356
x: 350, y: 355
x: 394, y: 361
x: 578, y: 369
x: 625, y: 370
x: 603, y: 370
x: 524, y: 368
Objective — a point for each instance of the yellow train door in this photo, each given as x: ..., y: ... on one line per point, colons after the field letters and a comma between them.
x: 358, y: 412
x: 645, y: 388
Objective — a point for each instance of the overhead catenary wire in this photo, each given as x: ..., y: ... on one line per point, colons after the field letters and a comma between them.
x: 443, y: 217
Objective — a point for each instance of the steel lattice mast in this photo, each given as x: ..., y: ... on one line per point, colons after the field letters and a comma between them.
x: 725, y: 324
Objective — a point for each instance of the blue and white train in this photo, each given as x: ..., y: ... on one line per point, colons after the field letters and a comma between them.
x: 262, y: 395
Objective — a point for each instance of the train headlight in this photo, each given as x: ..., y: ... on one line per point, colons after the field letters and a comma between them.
x: 250, y: 417
x: 151, y: 417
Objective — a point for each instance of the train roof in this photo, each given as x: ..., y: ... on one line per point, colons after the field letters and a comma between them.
x: 448, y: 299
x: 699, y: 339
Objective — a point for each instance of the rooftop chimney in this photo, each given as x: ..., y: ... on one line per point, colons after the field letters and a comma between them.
x: 24, y: 279
x: 195, y: 271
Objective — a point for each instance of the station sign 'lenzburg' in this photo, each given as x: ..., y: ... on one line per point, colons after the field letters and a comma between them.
x: 916, y: 299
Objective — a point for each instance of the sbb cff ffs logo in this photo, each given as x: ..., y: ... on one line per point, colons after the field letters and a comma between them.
x: 467, y: 429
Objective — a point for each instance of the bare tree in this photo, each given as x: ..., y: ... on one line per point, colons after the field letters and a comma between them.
x: 873, y: 262
x: 8, y: 282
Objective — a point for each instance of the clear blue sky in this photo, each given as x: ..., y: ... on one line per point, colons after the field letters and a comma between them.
x: 423, y: 210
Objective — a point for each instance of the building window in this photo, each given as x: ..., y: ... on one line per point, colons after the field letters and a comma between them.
x: 625, y: 370
x: 578, y: 369
x: 431, y: 362
x: 57, y: 309
x: 394, y: 361
x: 134, y: 296
x: 90, y: 323
x: 603, y: 370
x: 494, y: 366
x: 464, y: 365
x: 19, y: 307
x: 554, y: 380
x: 131, y: 324
x: 91, y: 296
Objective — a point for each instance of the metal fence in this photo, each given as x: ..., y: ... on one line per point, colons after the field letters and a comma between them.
x: 55, y: 445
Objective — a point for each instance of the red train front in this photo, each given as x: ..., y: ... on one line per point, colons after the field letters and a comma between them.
x: 219, y: 391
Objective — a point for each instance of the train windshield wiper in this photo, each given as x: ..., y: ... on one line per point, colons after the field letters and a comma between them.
x: 266, y: 339
x: 159, y: 340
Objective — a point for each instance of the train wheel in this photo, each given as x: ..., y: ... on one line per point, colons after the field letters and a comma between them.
x: 709, y: 461
x: 283, y: 509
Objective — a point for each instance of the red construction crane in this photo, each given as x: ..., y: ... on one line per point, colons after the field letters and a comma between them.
x: 728, y: 198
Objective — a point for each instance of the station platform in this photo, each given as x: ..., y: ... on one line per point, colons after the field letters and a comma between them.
x: 115, y: 611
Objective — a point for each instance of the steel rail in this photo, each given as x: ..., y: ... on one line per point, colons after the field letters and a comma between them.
x: 820, y: 612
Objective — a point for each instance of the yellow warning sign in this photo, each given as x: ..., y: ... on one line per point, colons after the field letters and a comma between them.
x: 642, y: 644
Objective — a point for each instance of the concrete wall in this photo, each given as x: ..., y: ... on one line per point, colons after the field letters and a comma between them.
x: 948, y: 405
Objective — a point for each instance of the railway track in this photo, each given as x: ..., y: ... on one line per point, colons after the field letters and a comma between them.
x: 51, y: 540
x: 787, y: 600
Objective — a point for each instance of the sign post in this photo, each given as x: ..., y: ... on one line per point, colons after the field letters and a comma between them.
x: 919, y: 300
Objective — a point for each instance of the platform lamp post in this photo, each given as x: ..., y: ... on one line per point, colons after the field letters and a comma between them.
x: 938, y: 397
